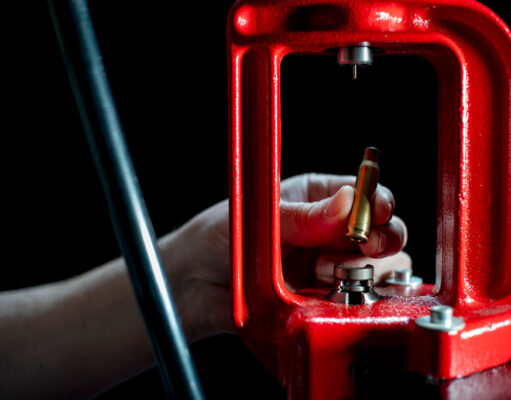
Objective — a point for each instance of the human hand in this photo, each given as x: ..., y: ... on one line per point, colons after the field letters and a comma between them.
x: 314, y: 213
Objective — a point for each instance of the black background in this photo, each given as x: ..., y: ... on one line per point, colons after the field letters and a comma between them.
x: 167, y: 67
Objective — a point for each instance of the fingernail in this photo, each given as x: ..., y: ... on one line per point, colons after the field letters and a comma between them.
x: 340, y: 203
x: 389, y: 209
x: 382, y: 243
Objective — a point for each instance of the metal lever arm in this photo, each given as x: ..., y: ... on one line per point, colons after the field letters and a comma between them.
x: 129, y: 216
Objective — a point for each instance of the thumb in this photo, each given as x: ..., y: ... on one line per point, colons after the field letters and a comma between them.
x: 317, y: 223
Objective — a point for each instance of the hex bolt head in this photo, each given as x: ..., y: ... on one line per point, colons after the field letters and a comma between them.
x: 404, y: 277
x: 441, y: 315
x: 441, y: 319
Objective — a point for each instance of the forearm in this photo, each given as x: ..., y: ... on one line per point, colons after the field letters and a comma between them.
x: 72, y: 338
x: 81, y: 336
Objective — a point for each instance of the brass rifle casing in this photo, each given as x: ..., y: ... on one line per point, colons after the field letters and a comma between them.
x: 359, y: 222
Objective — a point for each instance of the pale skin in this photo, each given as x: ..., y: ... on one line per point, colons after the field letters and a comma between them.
x: 77, y: 338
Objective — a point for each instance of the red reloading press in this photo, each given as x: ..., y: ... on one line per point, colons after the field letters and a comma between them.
x: 308, y: 342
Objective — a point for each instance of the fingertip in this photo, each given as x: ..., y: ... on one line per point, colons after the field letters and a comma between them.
x: 402, y: 228
x: 376, y: 244
x: 316, y: 223
x: 341, y: 203
x: 382, y: 212
x: 386, y: 240
x: 383, y: 206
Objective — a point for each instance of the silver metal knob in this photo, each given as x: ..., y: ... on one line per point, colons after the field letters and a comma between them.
x: 358, y: 55
x: 354, y: 286
x: 441, y: 319
x: 404, y: 277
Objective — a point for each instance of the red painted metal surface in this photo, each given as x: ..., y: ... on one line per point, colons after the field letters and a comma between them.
x: 309, y: 343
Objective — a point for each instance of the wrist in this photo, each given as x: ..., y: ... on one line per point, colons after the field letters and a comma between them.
x: 188, y: 291
x: 196, y: 259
